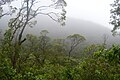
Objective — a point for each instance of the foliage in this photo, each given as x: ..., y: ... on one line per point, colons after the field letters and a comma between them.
x: 103, y: 65
x: 74, y: 41
x: 115, y: 15
x: 42, y: 58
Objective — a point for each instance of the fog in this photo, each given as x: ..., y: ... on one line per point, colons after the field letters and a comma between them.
x: 89, y: 18
x: 97, y: 11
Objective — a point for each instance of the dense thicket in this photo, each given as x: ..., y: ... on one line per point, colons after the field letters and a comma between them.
x: 44, y: 58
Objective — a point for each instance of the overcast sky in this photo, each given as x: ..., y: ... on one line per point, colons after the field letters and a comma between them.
x: 97, y: 11
x: 93, y: 10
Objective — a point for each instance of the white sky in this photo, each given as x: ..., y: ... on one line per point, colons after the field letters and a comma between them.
x: 93, y: 10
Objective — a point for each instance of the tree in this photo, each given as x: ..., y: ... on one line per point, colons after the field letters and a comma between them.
x: 59, y: 45
x: 74, y: 40
x: 91, y: 49
x: 44, y: 45
x: 115, y: 15
x: 105, y: 39
x: 27, y: 13
x: 25, y: 18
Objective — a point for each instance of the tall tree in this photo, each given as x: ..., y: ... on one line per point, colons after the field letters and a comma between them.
x: 74, y: 40
x: 28, y: 12
x: 25, y: 17
x: 115, y: 15
x: 44, y: 45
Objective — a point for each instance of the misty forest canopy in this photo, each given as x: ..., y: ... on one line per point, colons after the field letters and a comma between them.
x: 31, y: 57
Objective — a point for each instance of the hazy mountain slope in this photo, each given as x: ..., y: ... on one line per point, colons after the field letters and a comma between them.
x: 92, y: 31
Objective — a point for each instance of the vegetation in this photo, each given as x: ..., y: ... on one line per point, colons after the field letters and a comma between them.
x: 44, y: 58
x: 115, y: 18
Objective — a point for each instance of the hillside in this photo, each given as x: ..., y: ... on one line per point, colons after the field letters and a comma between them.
x: 92, y: 31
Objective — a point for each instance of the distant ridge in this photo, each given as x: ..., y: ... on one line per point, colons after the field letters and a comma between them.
x: 92, y: 31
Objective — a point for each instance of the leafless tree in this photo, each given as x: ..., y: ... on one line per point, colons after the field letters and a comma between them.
x: 105, y: 39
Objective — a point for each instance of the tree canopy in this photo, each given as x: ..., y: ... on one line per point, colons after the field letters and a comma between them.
x: 115, y: 15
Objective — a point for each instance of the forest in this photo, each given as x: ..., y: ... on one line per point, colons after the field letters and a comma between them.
x: 26, y: 56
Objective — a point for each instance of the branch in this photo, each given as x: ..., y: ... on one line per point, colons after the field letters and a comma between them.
x: 3, y: 15
x: 48, y: 14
